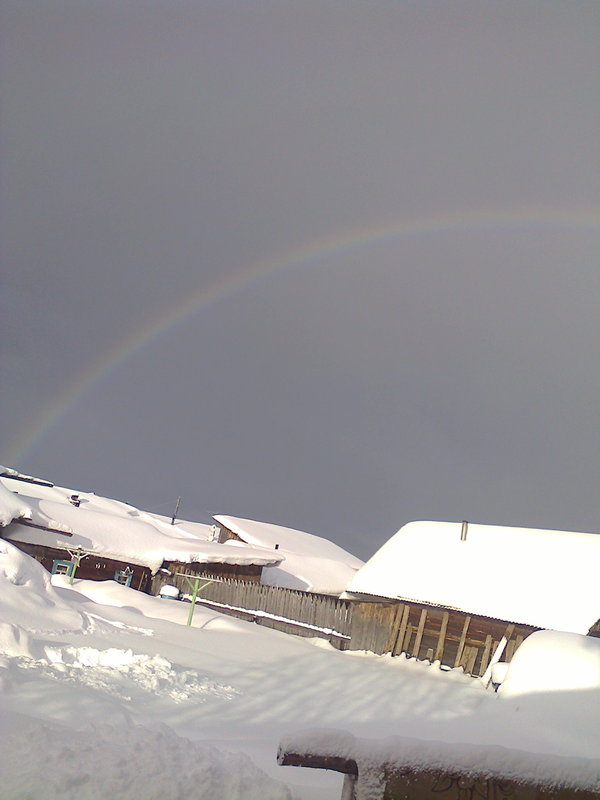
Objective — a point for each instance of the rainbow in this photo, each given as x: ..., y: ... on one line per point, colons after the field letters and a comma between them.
x: 306, y: 254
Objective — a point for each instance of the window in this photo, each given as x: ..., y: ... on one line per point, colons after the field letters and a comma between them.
x: 124, y: 576
x: 63, y: 568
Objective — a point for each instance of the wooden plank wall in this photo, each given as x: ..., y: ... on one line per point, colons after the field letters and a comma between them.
x: 93, y: 568
x: 453, y: 638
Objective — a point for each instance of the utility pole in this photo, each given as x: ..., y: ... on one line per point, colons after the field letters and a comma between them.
x: 176, y: 510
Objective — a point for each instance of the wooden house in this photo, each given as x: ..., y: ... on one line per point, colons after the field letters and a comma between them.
x: 467, y: 594
x: 310, y: 563
x: 97, y: 538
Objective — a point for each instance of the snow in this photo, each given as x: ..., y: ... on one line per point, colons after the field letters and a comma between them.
x: 106, y: 691
x: 117, y: 530
x: 11, y: 507
x: 311, y: 563
x: 128, y: 763
x: 542, y: 726
x: 167, y: 590
x: 543, y: 578
x: 549, y: 661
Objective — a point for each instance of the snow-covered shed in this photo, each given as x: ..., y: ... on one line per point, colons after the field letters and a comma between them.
x: 453, y: 590
x: 109, y: 539
x: 536, y: 739
x: 312, y: 563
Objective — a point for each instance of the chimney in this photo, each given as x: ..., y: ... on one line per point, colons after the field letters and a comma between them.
x: 463, y: 531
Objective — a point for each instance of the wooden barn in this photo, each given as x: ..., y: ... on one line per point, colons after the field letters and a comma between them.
x: 466, y: 594
x: 310, y: 563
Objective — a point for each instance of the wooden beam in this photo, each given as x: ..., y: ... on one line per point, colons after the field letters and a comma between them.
x: 394, y: 628
x: 471, y: 654
x: 439, y: 650
x: 486, y: 653
x: 461, y: 643
x: 419, y: 635
x: 397, y: 648
x: 407, y: 638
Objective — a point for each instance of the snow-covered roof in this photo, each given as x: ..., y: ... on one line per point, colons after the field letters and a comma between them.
x: 115, y: 529
x: 311, y: 563
x: 544, y: 578
x: 12, y: 507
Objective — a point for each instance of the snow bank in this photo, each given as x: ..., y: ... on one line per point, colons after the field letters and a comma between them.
x: 126, y: 762
x: 311, y: 563
x: 548, y: 661
x: 27, y: 597
x: 11, y: 507
x: 543, y: 578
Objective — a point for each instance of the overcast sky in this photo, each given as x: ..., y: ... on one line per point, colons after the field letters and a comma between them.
x: 152, y: 151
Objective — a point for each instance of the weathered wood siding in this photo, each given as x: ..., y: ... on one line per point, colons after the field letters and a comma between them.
x: 250, y: 573
x: 427, y: 632
x: 93, y: 568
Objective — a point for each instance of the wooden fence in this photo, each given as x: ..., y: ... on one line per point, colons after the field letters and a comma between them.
x: 453, y: 638
x: 287, y: 610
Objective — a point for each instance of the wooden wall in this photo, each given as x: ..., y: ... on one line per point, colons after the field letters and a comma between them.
x: 94, y: 568
x: 249, y: 573
x: 452, y: 637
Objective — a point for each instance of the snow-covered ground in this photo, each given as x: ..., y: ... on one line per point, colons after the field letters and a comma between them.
x: 104, y: 691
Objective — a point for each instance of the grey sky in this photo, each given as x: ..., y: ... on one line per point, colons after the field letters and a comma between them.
x: 152, y: 149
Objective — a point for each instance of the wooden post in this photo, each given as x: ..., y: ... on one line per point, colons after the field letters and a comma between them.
x: 439, y: 650
x: 471, y: 654
x: 407, y: 638
x: 461, y: 643
x: 486, y: 653
x: 401, y: 631
x: 176, y: 510
x: 419, y: 635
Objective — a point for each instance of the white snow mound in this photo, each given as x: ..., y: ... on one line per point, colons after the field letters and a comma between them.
x: 128, y: 763
x: 27, y: 597
x: 11, y: 507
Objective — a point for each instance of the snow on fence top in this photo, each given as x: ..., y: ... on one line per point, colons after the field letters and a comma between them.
x: 66, y: 519
x: 543, y: 578
x: 311, y: 563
